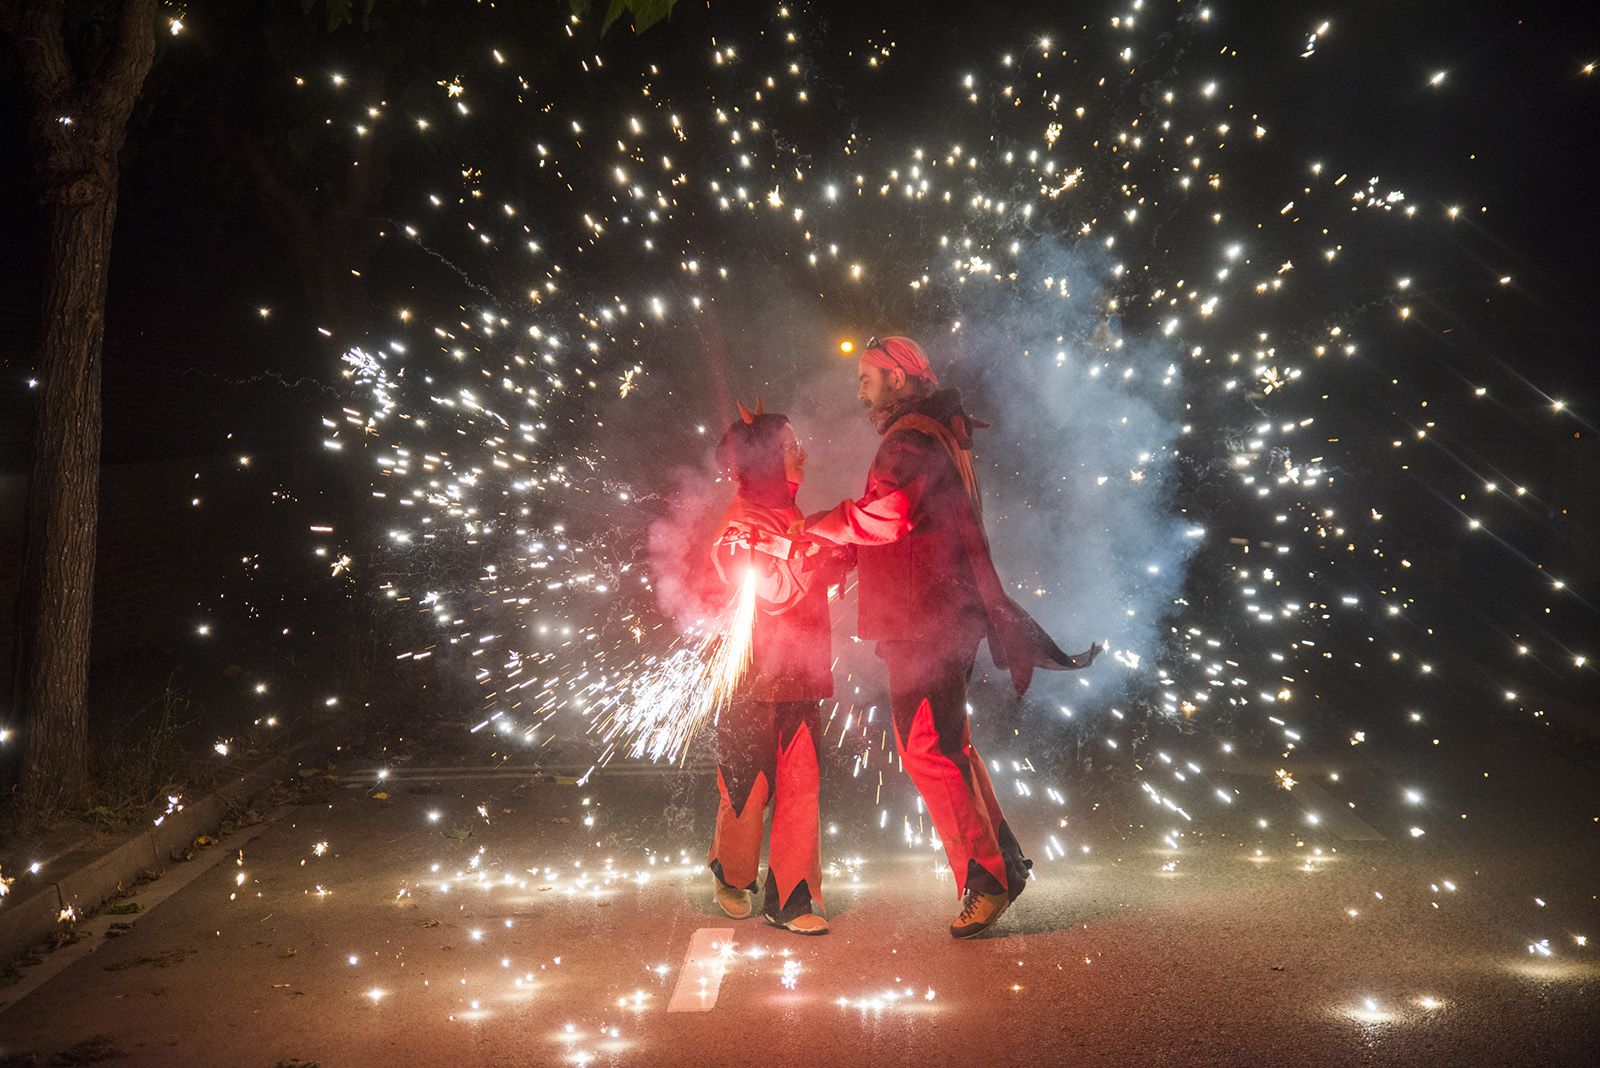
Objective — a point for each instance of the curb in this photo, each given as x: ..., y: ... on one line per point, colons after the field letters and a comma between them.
x: 26, y: 923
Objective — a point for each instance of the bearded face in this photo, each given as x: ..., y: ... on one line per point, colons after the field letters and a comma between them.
x: 880, y: 418
x: 879, y: 391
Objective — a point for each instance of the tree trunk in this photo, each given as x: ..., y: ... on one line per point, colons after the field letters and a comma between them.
x: 78, y: 113
x: 63, y: 496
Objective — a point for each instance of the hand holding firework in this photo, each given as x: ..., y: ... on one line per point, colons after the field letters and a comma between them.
x: 761, y: 541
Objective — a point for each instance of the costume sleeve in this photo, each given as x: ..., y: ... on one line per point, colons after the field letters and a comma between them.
x: 893, y: 501
x: 780, y: 583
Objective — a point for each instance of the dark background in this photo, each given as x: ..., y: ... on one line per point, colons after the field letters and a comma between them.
x: 199, y: 249
x: 194, y: 377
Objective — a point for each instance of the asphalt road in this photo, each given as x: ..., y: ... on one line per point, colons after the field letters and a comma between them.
x: 489, y: 918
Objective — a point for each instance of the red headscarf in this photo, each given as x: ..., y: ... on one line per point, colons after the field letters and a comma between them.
x: 889, y: 353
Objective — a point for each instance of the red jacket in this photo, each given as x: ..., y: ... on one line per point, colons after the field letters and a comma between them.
x: 791, y: 656
x: 922, y: 555
x: 916, y: 583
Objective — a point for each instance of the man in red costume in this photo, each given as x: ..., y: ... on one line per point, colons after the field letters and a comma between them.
x: 767, y: 739
x: 929, y: 593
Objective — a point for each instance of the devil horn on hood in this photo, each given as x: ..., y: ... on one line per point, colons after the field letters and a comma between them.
x: 745, y: 413
x: 761, y: 406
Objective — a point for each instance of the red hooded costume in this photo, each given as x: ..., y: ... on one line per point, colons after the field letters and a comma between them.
x: 767, y: 740
x: 929, y: 592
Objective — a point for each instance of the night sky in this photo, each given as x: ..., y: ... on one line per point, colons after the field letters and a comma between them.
x: 197, y: 249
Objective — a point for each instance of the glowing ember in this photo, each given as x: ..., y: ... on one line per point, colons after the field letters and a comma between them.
x: 664, y: 705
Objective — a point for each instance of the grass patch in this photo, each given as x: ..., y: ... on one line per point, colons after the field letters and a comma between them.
x: 144, y: 759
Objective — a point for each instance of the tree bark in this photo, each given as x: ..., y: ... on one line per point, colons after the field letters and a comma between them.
x: 77, y: 122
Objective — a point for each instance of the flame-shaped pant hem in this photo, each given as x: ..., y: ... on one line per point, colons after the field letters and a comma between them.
x: 766, y: 751
x: 928, y: 695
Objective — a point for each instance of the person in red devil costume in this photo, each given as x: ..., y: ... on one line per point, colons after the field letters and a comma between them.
x: 767, y: 739
x: 929, y: 593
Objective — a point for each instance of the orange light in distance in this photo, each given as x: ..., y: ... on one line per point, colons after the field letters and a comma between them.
x: 846, y: 347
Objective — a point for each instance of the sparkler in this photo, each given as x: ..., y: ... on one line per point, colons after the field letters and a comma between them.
x: 663, y: 707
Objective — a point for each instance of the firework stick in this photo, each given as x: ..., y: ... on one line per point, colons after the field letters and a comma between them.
x: 762, y: 542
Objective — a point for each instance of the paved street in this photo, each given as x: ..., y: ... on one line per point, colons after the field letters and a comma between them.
x: 499, y: 917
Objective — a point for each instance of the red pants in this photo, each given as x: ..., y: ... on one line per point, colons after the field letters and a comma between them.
x: 767, y: 751
x: 928, y: 695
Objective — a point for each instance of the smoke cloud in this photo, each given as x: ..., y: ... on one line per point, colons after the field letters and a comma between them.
x: 679, y: 544
x: 1079, y: 467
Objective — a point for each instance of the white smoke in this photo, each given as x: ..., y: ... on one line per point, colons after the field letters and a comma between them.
x: 1079, y: 466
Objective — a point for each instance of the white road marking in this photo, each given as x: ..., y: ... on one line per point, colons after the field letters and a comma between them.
x: 703, y: 966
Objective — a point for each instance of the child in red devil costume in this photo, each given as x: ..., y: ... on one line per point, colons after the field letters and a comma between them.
x: 767, y: 739
x: 929, y: 593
